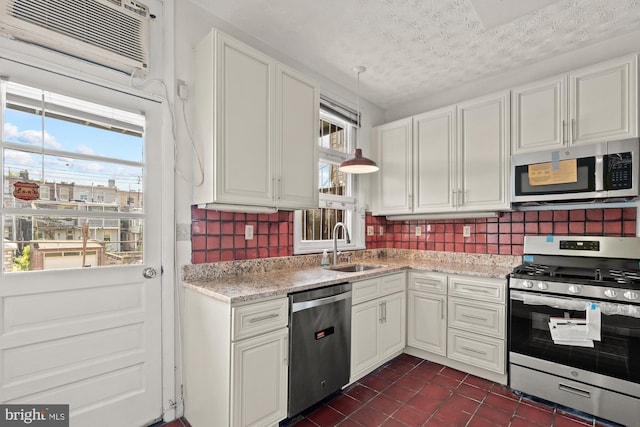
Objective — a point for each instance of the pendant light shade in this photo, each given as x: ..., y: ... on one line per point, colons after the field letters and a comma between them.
x: 358, y: 164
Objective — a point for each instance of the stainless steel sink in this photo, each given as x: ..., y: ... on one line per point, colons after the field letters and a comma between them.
x: 354, y: 268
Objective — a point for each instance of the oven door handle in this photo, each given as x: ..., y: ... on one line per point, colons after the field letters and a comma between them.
x: 574, y: 390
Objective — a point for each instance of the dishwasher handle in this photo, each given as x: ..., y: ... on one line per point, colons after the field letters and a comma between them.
x: 304, y: 305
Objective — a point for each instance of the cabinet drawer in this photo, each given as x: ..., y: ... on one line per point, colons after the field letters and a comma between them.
x: 253, y: 319
x: 479, y: 288
x: 476, y: 316
x: 365, y: 290
x: 428, y: 282
x: 393, y: 283
x: 477, y: 350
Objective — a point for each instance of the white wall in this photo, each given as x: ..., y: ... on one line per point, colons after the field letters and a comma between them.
x: 619, y: 46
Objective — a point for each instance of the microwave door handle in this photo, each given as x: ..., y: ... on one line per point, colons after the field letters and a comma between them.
x: 599, y: 172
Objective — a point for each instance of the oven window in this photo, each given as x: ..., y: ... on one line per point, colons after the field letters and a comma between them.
x: 613, y: 356
x: 586, y: 180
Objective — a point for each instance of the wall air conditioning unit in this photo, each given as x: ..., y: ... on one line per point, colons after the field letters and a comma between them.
x: 113, y: 33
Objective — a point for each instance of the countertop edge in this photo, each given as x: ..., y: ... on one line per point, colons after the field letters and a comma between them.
x: 223, y: 289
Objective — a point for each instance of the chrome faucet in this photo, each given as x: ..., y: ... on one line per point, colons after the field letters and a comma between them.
x: 335, y: 240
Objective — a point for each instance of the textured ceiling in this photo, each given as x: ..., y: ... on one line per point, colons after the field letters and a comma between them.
x: 413, y: 48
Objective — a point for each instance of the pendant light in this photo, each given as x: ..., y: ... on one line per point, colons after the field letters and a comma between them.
x: 358, y: 164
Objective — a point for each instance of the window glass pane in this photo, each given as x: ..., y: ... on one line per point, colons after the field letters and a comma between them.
x: 332, y: 135
x: 43, y: 242
x: 317, y: 224
x: 332, y: 181
x: 67, y: 179
x: 75, y: 171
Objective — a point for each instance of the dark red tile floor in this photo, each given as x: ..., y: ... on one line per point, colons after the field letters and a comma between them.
x: 409, y: 391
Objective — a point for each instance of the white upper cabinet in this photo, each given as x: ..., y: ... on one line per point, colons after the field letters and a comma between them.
x: 592, y: 104
x: 434, y: 154
x: 298, y: 114
x: 604, y: 101
x: 393, y: 142
x: 539, y: 115
x: 253, y: 117
x: 448, y: 160
x: 483, y: 154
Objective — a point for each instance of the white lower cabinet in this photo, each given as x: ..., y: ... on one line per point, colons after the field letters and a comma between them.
x: 236, y: 367
x: 458, y: 321
x: 378, y: 319
x: 427, y: 317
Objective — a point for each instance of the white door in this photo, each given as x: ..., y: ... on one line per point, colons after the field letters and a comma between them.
x: 84, y: 336
x: 392, y: 328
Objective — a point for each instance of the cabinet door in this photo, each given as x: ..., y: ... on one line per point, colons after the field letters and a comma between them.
x: 394, y: 152
x: 427, y: 322
x: 483, y: 153
x: 539, y: 115
x: 244, y: 132
x: 434, y: 136
x: 259, y: 386
x: 365, y: 318
x: 297, y: 112
x: 393, y: 326
x: 603, y: 101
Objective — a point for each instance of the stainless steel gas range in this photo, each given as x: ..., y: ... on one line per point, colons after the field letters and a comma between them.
x: 574, y: 324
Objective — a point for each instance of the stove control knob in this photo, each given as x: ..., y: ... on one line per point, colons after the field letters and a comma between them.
x: 631, y: 295
x: 575, y: 289
x: 610, y: 293
x: 527, y: 284
x: 543, y: 285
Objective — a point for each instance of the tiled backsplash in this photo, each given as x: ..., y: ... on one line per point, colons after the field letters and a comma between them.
x: 220, y: 236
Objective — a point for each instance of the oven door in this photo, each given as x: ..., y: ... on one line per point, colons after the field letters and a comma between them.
x: 615, y: 355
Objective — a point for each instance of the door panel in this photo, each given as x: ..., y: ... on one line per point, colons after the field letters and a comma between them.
x: 85, y: 336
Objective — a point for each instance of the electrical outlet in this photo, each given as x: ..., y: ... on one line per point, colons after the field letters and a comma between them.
x: 428, y: 228
x: 370, y: 231
x: 248, y: 232
x: 466, y: 231
x: 419, y: 231
x: 381, y: 230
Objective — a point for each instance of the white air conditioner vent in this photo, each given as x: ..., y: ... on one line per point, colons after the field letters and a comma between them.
x: 114, y: 33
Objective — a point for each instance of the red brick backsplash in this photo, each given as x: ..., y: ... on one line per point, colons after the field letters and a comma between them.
x: 219, y: 236
x: 503, y: 235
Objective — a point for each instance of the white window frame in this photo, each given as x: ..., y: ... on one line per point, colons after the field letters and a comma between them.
x: 355, y: 216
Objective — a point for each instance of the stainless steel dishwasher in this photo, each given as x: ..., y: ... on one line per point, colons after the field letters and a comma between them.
x: 320, y: 344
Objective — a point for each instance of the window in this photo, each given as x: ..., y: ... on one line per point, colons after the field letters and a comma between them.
x: 313, y: 228
x: 73, y: 151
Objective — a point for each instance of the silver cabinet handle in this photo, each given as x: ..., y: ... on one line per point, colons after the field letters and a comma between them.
x: 574, y: 390
x: 564, y: 131
x: 473, y: 350
x: 263, y: 318
x: 441, y: 308
x: 573, y: 130
x: 460, y: 197
x: 484, y: 319
x: 475, y: 290
x: 454, y: 198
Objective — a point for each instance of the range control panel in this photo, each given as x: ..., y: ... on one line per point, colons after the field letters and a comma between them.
x: 580, y: 245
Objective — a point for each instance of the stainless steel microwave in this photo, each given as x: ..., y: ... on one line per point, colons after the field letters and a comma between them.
x: 590, y: 171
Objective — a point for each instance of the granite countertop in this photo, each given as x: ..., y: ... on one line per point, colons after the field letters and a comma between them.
x: 240, y: 281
